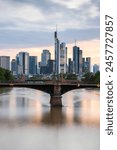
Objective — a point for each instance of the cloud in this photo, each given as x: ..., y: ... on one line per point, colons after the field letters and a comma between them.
x: 45, y: 15
x: 17, y: 39
x: 32, y: 22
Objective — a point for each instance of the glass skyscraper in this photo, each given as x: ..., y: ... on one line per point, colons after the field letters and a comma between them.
x: 57, y: 54
x: 63, y: 58
x: 76, y: 59
x: 5, y: 62
x: 45, y: 56
x: 23, y: 63
x: 14, y: 66
x: 33, y: 65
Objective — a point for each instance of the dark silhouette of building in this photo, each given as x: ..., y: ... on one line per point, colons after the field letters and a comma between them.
x: 33, y: 65
x: 51, y: 66
x: 70, y: 66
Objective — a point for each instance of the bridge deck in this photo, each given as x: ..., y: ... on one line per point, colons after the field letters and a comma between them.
x: 49, y: 83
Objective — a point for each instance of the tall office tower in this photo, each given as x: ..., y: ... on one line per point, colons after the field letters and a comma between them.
x: 33, y: 65
x: 38, y: 67
x: 5, y: 62
x: 57, y: 54
x: 70, y: 66
x: 51, y: 66
x: 14, y: 67
x: 86, y: 64
x: 80, y: 62
x: 76, y: 59
x: 83, y: 65
x: 45, y: 56
x: 95, y: 68
x: 23, y: 63
x: 63, y: 58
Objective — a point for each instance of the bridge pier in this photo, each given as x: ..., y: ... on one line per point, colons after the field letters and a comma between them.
x: 56, y: 100
x: 55, y: 96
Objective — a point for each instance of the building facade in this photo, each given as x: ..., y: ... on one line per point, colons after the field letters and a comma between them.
x: 70, y: 66
x: 23, y: 63
x: 45, y: 56
x: 33, y: 65
x: 76, y: 59
x: 57, y: 54
x: 80, y: 62
x: 5, y: 62
x: 51, y: 66
x: 63, y: 58
x: 14, y: 67
x: 86, y: 64
x: 95, y: 68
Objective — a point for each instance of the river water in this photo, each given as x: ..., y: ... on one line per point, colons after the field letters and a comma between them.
x: 27, y: 122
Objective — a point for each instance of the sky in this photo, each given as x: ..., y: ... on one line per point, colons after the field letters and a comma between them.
x: 29, y: 25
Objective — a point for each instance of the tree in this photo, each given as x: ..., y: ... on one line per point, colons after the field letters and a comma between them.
x: 5, y: 75
x: 72, y: 77
x: 97, y: 77
x: 89, y: 77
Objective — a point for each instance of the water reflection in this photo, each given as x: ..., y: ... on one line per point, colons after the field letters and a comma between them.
x: 28, y: 122
x: 79, y: 108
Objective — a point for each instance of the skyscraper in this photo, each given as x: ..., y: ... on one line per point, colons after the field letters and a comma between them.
x: 86, y: 64
x: 70, y: 66
x: 80, y: 62
x: 57, y: 54
x: 45, y: 56
x: 76, y: 59
x: 33, y: 65
x: 23, y: 63
x: 95, y: 68
x: 51, y: 66
x: 63, y: 58
x: 14, y: 66
x: 5, y: 62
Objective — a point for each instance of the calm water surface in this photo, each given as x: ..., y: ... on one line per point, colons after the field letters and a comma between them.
x: 27, y: 122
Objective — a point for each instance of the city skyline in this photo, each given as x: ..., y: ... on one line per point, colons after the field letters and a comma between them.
x: 28, y: 25
x: 26, y: 64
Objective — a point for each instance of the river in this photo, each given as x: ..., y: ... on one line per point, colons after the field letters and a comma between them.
x: 27, y: 122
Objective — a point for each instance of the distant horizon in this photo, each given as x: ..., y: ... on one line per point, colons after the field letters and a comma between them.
x: 36, y: 51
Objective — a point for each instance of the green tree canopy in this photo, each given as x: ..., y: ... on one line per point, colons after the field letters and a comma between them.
x: 90, y: 77
x: 5, y: 75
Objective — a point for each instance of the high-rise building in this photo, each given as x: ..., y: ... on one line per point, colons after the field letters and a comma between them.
x: 33, y: 65
x: 14, y: 66
x: 80, y: 62
x: 88, y: 61
x: 51, y: 66
x: 57, y: 54
x: 5, y: 62
x: 70, y: 66
x: 86, y: 64
x: 76, y: 59
x: 63, y: 58
x: 95, y: 68
x: 23, y: 63
x: 45, y: 56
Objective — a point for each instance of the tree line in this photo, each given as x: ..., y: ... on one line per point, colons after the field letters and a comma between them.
x: 5, y: 75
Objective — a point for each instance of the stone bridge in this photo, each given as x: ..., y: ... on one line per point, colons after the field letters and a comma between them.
x: 56, y: 88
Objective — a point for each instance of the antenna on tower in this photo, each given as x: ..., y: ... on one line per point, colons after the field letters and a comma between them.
x: 75, y: 42
x: 55, y: 33
x: 56, y: 27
